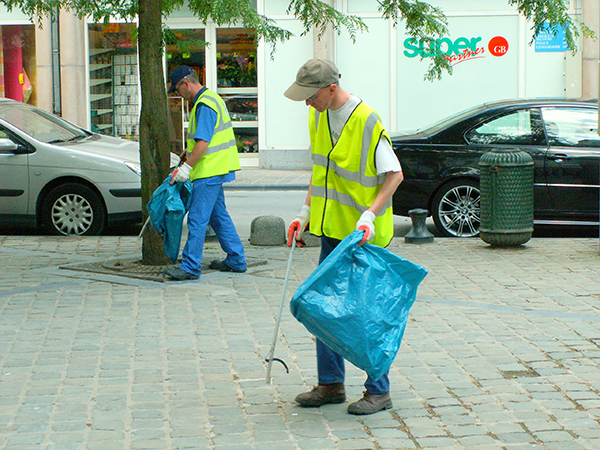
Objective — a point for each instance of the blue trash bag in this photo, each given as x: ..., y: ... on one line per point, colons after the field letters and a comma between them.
x: 357, y: 303
x: 166, y: 209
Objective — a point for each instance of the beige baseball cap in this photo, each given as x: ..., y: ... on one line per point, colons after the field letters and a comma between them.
x: 312, y: 76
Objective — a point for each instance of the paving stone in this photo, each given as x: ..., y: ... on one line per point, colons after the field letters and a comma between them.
x: 467, y: 430
x: 281, y: 445
x: 436, y: 442
x: 180, y: 365
x: 316, y: 444
x: 422, y: 432
x: 571, y: 445
x: 515, y: 438
x: 396, y: 444
x: 478, y: 441
x: 357, y: 434
x: 541, y: 425
x: 358, y: 444
x: 553, y: 436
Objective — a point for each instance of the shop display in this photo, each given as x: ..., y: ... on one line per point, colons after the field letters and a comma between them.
x: 101, y: 93
x: 237, y: 83
x: 127, y: 112
x: 114, y: 91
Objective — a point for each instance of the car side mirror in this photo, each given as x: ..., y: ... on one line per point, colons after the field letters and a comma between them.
x: 8, y: 146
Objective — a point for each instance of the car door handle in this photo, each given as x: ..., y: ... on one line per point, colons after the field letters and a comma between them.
x: 558, y: 157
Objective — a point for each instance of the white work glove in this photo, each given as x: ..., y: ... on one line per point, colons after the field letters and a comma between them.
x: 365, y: 223
x: 298, y: 226
x: 182, y: 173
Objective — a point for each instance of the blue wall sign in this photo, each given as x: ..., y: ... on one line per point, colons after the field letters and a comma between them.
x: 546, y: 41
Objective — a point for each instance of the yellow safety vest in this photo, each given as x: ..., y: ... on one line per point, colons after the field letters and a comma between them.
x: 221, y: 157
x: 344, y: 179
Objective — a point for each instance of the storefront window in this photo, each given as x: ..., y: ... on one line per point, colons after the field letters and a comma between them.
x: 114, y: 92
x: 243, y: 109
x: 236, y: 76
x: 237, y: 83
x: 17, y: 63
x: 236, y: 57
x: 189, y: 50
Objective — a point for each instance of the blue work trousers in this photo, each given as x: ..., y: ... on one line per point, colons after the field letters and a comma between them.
x: 330, y: 365
x: 208, y: 208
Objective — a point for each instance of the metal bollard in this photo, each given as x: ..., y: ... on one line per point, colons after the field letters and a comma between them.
x: 418, y: 234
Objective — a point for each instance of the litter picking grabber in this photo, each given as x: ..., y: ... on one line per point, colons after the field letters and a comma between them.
x: 270, y: 358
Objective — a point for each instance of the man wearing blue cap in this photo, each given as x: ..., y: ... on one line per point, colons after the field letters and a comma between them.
x: 211, y: 160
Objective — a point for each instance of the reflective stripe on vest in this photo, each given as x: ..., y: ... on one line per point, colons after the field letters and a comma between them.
x: 345, y: 181
x: 221, y: 157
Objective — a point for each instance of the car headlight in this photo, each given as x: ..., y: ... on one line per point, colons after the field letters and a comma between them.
x: 135, y: 167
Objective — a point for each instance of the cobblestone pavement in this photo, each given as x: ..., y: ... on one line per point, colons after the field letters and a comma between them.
x: 501, y: 352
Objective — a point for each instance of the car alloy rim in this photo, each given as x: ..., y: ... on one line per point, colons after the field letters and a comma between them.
x: 459, y: 211
x: 72, y: 214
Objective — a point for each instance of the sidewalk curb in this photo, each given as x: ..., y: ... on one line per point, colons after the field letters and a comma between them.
x: 265, y: 187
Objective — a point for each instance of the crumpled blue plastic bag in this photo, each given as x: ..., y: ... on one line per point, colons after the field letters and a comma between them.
x: 167, y: 208
x: 357, y: 303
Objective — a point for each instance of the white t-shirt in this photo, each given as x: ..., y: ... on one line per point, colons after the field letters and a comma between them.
x: 385, y: 158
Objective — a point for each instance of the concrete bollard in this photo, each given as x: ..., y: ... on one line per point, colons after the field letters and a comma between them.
x: 418, y: 234
x: 267, y: 230
x: 311, y: 240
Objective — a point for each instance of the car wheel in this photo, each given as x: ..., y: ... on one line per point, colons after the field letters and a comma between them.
x: 73, y: 209
x: 455, y: 208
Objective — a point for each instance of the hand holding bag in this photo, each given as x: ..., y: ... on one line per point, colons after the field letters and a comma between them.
x: 357, y: 303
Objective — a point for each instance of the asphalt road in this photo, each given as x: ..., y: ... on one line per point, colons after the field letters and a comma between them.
x: 244, y: 206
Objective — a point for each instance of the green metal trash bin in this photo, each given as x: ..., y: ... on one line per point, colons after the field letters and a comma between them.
x: 506, y: 186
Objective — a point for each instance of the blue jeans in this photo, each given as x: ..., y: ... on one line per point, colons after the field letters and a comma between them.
x: 330, y: 365
x: 208, y: 208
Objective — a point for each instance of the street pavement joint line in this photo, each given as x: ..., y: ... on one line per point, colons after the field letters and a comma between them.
x: 511, y: 309
x: 63, y: 271
x: 72, y: 272
x: 40, y: 288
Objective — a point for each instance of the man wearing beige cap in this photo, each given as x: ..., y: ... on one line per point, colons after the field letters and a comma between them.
x: 355, y: 173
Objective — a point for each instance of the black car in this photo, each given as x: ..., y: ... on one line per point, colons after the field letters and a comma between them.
x: 441, y: 163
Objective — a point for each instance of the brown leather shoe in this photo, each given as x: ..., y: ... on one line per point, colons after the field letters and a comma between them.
x: 370, y: 404
x: 322, y: 395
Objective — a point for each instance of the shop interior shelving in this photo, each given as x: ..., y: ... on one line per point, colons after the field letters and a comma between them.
x: 101, y: 90
x: 126, y: 93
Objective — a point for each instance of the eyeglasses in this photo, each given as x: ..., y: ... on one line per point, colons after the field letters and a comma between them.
x: 178, y: 85
x: 312, y: 98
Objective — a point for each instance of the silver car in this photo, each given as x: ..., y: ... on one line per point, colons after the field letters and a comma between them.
x: 61, y: 178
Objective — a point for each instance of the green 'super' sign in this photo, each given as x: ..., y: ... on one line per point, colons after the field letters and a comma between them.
x: 457, y: 50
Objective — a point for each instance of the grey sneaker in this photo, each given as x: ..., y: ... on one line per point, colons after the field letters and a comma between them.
x: 223, y: 267
x: 322, y: 395
x: 370, y: 404
x: 177, y: 274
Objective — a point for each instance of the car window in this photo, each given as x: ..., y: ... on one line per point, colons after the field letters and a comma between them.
x: 444, y: 123
x: 39, y: 124
x: 571, y: 127
x: 517, y: 128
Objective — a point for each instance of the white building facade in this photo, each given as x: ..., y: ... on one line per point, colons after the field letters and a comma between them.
x: 489, y: 45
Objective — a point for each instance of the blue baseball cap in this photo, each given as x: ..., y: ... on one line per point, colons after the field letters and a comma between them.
x: 177, y: 75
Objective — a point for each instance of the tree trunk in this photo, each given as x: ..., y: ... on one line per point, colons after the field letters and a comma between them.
x: 154, y: 136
